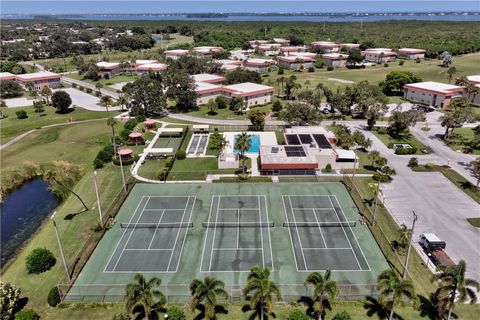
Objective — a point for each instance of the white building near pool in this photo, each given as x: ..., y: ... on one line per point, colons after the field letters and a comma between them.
x: 295, y: 62
x: 252, y: 93
x: 206, y: 92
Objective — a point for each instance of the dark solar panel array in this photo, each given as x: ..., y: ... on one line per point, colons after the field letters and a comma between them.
x: 292, y: 139
x: 295, y: 151
x: 322, y: 141
x: 305, y: 138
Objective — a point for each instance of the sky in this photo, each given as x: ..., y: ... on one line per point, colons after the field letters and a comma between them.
x: 192, y: 6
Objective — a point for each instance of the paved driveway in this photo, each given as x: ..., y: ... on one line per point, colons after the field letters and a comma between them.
x: 85, y: 100
x: 18, y: 102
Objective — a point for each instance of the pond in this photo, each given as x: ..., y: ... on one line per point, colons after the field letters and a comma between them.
x: 22, y: 212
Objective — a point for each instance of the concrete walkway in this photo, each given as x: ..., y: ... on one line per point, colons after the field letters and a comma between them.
x: 254, y: 172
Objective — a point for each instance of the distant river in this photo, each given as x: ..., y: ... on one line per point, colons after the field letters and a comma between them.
x: 22, y: 212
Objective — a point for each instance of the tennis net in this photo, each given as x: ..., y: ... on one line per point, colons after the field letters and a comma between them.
x: 143, y: 225
x: 238, y: 225
x: 320, y: 224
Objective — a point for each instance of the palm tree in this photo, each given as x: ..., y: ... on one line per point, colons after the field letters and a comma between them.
x: 107, y: 101
x: 476, y: 169
x: 144, y: 294
x: 454, y: 286
x: 242, y: 144
x: 306, y: 83
x: 375, y: 188
x: 281, y: 83
x: 395, y: 291
x: 205, y: 294
x: 373, y: 155
x: 262, y: 292
x: 462, y: 81
x: 47, y: 93
x: 50, y: 177
x: 111, y: 122
x: 99, y: 86
x: 451, y: 73
x: 324, y: 290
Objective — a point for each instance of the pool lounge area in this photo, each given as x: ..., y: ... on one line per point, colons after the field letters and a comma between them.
x: 256, y: 140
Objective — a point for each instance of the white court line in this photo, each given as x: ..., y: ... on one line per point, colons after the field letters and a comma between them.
x: 156, y: 229
x: 214, y: 232
x: 178, y: 232
x: 261, y: 232
x: 206, y: 234
x: 327, y: 248
x: 319, y: 228
x: 239, y: 249
x: 290, y: 232
x: 355, y: 237
x: 235, y: 209
x: 348, y: 239
x: 118, y: 243
x: 129, y: 236
x: 298, y: 234
x: 186, y: 232
x: 323, y: 208
x: 238, y: 228
x: 147, y: 249
x: 268, y: 231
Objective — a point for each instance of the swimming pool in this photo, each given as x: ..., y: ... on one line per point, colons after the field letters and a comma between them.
x: 254, y: 143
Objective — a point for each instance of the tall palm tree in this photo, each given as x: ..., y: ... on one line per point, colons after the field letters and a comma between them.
x: 144, y: 294
x: 107, y: 101
x: 281, y: 83
x: 395, y: 291
x: 476, y: 169
x: 373, y: 155
x: 47, y: 93
x: 451, y: 73
x: 324, y: 290
x: 205, y: 296
x: 262, y: 291
x: 111, y: 122
x: 455, y: 287
x: 242, y: 144
x: 50, y: 177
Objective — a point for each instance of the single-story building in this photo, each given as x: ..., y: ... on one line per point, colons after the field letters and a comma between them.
x: 282, y: 41
x: 432, y: 93
x: 411, y: 54
x: 303, y: 54
x: 325, y: 46
x: 255, y: 43
x: 207, y: 51
x: 7, y: 76
x: 269, y: 49
x: 476, y: 81
x: 350, y: 46
x: 40, y: 79
x: 335, y: 59
x: 286, y: 51
x: 109, y: 68
x: 206, y: 92
x: 379, y: 55
x: 208, y: 78
x: 175, y: 54
x: 229, y: 64
x: 150, y: 67
x: 258, y: 65
x: 138, y: 63
x: 295, y: 62
x: 252, y: 93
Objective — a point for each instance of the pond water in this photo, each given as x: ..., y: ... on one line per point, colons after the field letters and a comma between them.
x: 22, y: 212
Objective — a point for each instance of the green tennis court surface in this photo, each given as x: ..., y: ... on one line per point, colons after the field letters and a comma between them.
x: 183, y: 231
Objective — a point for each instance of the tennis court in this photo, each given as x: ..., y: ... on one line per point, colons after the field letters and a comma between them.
x: 153, y: 239
x: 238, y: 235
x: 321, y: 235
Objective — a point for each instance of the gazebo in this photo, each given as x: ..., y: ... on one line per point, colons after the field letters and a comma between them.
x: 135, y: 137
x: 149, y: 124
x: 125, y: 154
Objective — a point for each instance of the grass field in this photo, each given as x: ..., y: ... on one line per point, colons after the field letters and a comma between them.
x: 12, y: 127
x: 460, y: 138
x: 105, y: 82
x: 405, y: 138
x: 202, y: 112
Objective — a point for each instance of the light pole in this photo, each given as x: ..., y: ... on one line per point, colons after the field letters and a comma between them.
x: 354, y: 167
x: 98, y: 198
x: 405, y: 268
x: 67, y: 273
x: 429, y: 255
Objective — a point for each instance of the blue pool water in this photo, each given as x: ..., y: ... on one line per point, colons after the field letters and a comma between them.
x: 254, y: 143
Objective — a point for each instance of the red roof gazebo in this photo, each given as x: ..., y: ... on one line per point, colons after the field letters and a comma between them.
x: 135, y: 137
x: 125, y: 154
x: 149, y: 124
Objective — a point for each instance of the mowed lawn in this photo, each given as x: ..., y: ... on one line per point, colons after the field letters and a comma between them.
x: 12, y: 127
x: 202, y: 112
x: 105, y: 82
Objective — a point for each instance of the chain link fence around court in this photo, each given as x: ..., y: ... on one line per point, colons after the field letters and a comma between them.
x: 181, y: 293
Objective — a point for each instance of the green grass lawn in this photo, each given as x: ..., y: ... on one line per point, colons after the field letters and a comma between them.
x: 151, y: 168
x: 202, y: 112
x: 196, y: 169
x: 105, y: 82
x: 12, y: 127
x: 474, y: 222
x: 460, y: 138
x: 456, y: 178
x: 364, y: 163
x: 404, y: 138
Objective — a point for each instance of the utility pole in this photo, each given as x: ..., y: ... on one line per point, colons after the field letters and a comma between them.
x: 405, y: 268
x: 354, y: 167
x: 67, y: 273
x: 98, y: 198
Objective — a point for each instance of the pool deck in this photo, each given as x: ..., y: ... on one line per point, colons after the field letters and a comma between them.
x: 266, y: 138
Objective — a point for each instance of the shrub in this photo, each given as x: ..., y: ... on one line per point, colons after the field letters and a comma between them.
x: 181, y: 154
x: 130, y: 124
x: 27, y: 314
x: 429, y: 165
x: 330, y: 68
x: 342, y: 315
x: 9, y: 299
x: 417, y: 60
x: 169, y: 161
x: 385, y: 65
x: 124, y: 134
x: 311, y: 69
x: 380, y: 177
x: 74, y: 85
x: 328, y: 167
x: 88, y: 90
x: 97, y: 163
x: 98, y: 94
x: 297, y: 314
x: 280, y: 71
x: 126, y: 162
x: 175, y: 313
x: 81, y: 88
x: 21, y: 114
x: 381, y: 130
x: 401, y: 62
x: 402, y: 150
x: 413, y: 162
x: 162, y: 175
x: 53, y: 297
x: 39, y: 260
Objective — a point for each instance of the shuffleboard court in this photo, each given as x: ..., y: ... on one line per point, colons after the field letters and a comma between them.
x: 153, y: 238
x: 321, y: 236
x: 238, y: 236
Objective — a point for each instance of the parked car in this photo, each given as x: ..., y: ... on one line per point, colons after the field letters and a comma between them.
x: 326, y: 110
x: 426, y: 108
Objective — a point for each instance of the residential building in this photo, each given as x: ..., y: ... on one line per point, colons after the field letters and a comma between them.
x: 325, y: 46
x: 206, y: 92
x: 229, y: 64
x: 379, y: 55
x: 350, y: 46
x: 335, y: 59
x: 150, y: 67
x: 7, y: 76
x: 208, y: 78
x: 286, y: 51
x: 252, y: 93
x: 303, y: 54
x: 432, y: 93
x: 269, y: 49
x: 109, y: 69
x: 255, y: 43
x: 40, y: 79
x: 207, y: 52
x: 411, y: 54
x: 141, y: 62
x: 175, y: 54
x: 295, y: 62
x: 258, y: 65
x: 282, y: 41
x: 475, y: 98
